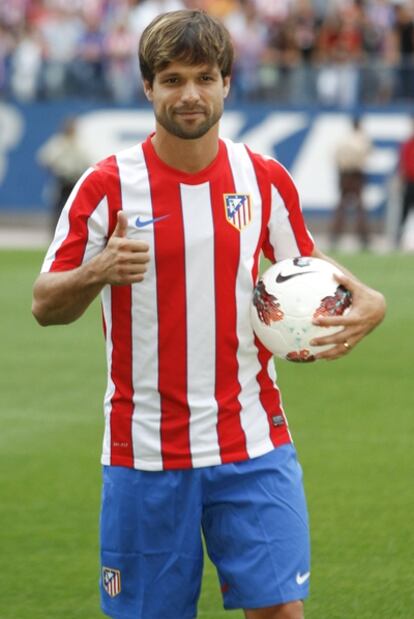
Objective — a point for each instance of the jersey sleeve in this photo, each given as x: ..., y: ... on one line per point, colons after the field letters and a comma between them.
x: 287, y: 235
x: 82, y: 229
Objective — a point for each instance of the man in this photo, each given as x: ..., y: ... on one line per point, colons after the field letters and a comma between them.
x: 406, y: 170
x: 170, y: 232
x: 351, y: 158
x: 65, y: 158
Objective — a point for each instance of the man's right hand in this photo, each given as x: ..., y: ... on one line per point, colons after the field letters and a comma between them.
x: 61, y: 297
x: 123, y: 261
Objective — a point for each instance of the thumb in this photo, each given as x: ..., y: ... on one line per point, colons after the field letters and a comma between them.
x: 350, y: 283
x: 121, y: 225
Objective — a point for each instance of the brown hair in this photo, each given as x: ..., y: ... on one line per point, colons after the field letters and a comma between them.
x: 189, y: 36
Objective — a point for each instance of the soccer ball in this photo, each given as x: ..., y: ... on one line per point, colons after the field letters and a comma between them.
x: 288, y: 297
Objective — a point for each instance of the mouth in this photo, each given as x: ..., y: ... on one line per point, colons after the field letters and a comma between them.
x: 190, y: 113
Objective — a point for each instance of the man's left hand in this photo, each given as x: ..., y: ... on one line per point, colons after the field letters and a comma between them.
x: 366, y: 312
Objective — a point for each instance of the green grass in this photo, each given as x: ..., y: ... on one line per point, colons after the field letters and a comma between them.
x: 352, y: 421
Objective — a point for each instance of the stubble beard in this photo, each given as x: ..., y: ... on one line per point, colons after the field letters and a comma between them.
x: 179, y: 130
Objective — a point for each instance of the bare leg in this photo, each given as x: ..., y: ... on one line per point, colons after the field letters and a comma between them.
x: 291, y: 610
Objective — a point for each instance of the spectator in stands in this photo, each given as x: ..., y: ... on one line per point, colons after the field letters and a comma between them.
x: 304, y: 29
x: 351, y: 158
x: 7, y: 44
x: 404, y: 32
x: 380, y: 58
x: 61, y: 31
x: 249, y: 35
x: 26, y: 65
x: 121, y: 71
x: 88, y: 67
x: 65, y: 158
x: 340, y: 52
x: 406, y: 171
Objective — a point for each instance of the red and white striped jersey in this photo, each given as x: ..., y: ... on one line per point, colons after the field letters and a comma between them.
x: 189, y: 385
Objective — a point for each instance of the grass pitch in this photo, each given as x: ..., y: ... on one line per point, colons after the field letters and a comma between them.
x: 352, y: 421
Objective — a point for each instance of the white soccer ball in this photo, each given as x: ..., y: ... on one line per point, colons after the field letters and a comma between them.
x: 288, y: 297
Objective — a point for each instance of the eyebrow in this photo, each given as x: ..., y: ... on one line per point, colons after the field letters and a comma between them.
x: 203, y: 69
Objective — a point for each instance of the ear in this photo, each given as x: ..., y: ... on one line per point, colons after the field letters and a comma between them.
x: 148, y: 89
x: 226, y: 85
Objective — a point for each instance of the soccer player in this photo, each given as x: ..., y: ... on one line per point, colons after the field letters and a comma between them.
x: 170, y: 233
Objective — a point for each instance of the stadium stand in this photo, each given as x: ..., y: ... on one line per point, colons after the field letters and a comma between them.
x: 335, y: 53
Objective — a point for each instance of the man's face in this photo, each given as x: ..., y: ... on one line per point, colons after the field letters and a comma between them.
x: 188, y: 99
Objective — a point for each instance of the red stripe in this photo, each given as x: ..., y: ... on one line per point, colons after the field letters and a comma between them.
x: 121, y: 336
x: 172, y: 326
x: 270, y: 398
x: 121, y: 374
x: 269, y: 393
x: 232, y: 440
x: 71, y: 251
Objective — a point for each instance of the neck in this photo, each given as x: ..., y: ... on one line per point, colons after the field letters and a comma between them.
x: 189, y: 156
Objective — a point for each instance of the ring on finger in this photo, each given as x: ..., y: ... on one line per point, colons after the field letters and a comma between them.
x: 347, y: 345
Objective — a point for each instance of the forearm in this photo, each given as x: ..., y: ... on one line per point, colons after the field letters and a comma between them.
x: 62, y: 297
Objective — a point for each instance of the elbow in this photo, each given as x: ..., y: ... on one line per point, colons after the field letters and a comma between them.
x: 42, y: 309
x: 47, y: 315
x: 39, y: 314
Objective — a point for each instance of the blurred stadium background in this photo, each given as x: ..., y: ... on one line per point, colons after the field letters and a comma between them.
x: 303, y: 69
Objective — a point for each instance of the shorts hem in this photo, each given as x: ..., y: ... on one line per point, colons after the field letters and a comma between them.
x: 134, y: 615
x: 250, y: 604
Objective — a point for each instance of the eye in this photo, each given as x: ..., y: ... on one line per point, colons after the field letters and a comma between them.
x: 170, y: 81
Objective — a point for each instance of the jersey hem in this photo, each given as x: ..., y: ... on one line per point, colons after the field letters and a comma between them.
x: 146, y: 465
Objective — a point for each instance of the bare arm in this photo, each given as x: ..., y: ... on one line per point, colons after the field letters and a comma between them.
x: 367, y: 311
x: 62, y: 297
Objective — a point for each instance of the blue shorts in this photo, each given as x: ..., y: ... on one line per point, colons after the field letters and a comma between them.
x: 254, y: 519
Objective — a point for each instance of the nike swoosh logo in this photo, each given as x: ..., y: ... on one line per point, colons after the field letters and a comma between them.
x: 284, y: 278
x: 302, y: 578
x: 141, y: 223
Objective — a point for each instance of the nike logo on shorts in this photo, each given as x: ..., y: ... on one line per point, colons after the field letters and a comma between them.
x: 302, y: 578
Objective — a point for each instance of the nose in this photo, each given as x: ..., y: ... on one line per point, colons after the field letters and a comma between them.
x: 190, y: 92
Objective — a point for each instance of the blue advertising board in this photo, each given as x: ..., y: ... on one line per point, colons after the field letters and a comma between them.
x: 304, y: 140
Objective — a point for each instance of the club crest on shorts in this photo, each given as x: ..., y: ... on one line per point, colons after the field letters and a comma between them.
x: 238, y: 209
x: 111, y: 581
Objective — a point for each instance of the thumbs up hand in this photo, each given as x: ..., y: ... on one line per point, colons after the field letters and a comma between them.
x: 121, y: 225
x: 123, y: 261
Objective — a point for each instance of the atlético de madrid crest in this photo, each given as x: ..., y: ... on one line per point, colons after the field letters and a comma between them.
x: 111, y: 581
x: 238, y: 209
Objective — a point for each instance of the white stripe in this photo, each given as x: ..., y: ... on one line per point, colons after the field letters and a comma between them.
x: 98, y: 224
x: 253, y: 416
x: 62, y: 228
x: 201, y: 326
x: 281, y: 235
x: 146, y: 422
x: 110, y: 389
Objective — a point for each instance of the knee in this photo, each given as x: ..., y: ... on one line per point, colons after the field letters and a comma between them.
x: 293, y: 610
x: 290, y: 610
